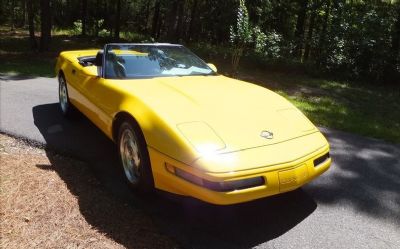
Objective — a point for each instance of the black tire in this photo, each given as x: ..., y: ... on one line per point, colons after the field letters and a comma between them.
x: 67, y: 109
x: 137, y: 173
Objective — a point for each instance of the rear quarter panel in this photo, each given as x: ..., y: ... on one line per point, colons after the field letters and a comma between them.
x: 83, y: 90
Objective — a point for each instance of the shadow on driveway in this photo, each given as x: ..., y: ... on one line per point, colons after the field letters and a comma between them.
x: 189, y: 222
x: 365, y: 176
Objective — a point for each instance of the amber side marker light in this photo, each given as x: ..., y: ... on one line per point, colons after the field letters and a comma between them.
x: 321, y: 159
x: 216, y: 186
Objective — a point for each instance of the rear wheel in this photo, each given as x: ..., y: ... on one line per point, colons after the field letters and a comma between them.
x: 134, y: 157
x: 65, y: 105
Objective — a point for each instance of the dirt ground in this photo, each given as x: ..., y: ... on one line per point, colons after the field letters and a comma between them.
x: 39, y: 210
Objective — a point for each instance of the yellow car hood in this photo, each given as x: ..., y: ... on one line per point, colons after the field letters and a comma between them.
x: 230, y: 113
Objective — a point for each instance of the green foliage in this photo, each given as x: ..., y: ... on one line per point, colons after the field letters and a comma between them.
x: 241, y: 33
x: 260, y: 40
x: 359, y: 44
x: 269, y: 44
x: 77, y: 28
x: 135, y: 37
x: 104, y: 33
x: 357, y: 40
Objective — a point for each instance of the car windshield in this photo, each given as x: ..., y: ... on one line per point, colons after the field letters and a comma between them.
x: 129, y: 61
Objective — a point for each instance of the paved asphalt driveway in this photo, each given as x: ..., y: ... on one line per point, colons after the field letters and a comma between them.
x: 356, y: 204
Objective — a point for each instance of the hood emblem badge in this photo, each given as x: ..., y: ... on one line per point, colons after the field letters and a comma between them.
x: 267, y: 134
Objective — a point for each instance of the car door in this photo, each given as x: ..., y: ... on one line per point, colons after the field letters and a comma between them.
x: 94, y: 100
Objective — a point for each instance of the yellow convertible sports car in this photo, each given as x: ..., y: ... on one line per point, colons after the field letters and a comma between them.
x: 183, y: 128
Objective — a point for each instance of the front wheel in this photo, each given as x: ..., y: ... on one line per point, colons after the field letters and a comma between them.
x: 134, y: 157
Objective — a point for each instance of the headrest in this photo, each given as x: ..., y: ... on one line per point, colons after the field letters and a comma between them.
x: 111, y: 55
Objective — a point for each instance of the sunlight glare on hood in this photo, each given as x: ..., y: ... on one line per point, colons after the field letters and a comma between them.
x: 209, y: 153
x: 207, y: 150
x: 202, y: 137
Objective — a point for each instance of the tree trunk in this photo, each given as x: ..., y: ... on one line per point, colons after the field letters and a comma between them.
x: 282, y: 17
x: 156, y: 19
x: 337, y: 12
x: 321, y: 45
x: 147, y: 16
x: 84, y: 17
x: 68, y: 10
x: 193, y: 16
x: 117, y: 20
x: 45, y: 25
x: 236, y: 55
x: 179, y: 26
x: 12, y: 17
x: 310, y: 31
x: 393, y: 75
x: 171, y: 22
x: 299, y: 33
x: 23, y: 2
x: 31, y: 24
x: 96, y: 21
x: 159, y: 27
x: 396, y: 36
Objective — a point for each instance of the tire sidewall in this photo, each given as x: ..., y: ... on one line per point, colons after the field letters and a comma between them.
x: 145, y: 182
x: 62, y: 80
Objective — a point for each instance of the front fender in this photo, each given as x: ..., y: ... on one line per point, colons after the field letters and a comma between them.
x: 160, y: 133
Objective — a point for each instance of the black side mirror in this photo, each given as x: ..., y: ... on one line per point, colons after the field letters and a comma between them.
x: 99, y: 58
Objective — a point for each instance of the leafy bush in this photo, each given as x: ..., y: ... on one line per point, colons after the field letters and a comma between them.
x: 77, y: 28
x: 268, y: 44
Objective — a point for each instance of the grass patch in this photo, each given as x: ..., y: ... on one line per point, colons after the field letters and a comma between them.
x: 18, y: 59
x: 35, y: 67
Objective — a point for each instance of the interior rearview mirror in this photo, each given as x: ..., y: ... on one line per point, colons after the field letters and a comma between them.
x: 212, y: 66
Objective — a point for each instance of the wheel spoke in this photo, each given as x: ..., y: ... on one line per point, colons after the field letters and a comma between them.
x: 130, y: 156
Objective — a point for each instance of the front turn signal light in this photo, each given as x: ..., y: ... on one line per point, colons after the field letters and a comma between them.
x: 224, y: 186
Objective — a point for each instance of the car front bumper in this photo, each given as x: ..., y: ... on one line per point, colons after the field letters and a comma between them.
x: 278, y: 178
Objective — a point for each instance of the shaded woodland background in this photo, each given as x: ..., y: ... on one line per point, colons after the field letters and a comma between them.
x: 355, y: 40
